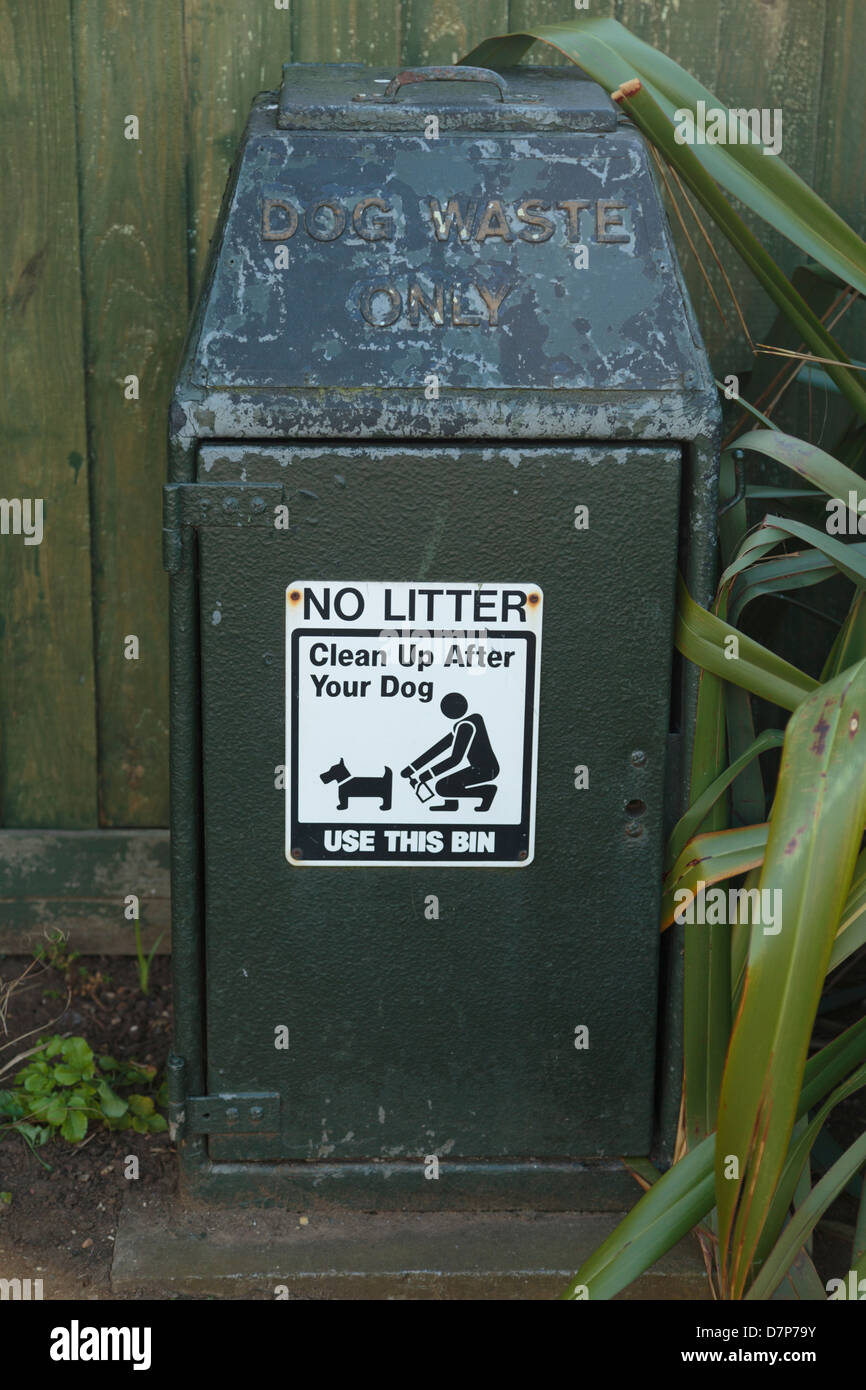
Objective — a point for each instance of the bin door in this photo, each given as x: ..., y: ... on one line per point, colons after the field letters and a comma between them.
x: 403, y: 1010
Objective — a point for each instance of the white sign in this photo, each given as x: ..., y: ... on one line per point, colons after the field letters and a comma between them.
x: 411, y: 722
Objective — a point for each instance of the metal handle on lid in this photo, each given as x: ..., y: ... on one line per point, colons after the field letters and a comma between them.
x: 439, y: 74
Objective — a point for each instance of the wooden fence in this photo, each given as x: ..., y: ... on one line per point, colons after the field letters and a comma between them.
x: 103, y: 242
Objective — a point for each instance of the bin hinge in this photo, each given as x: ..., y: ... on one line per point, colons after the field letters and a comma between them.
x: 214, y: 504
x: 236, y: 1112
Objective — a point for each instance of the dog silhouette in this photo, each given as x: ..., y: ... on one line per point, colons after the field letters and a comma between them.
x: 350, y: 786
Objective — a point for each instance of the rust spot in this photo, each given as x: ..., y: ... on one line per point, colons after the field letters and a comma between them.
x: 295, y: 596
x: 26, y: 284
x: 821, y: 730
x: 534, y: 599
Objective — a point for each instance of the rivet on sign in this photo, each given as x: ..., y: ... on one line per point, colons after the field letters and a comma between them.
x: 297, y: 854
x: 634, y: 829
x: 534, y: 599
x: 295, y: 596
x: 638, y: 757
x: 521, y: 854
x: 256, y: 1113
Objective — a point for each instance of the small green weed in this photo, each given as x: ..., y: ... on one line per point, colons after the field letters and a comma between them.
x: 64, y: 1089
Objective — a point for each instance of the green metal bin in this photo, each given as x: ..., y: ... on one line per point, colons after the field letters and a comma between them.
x: 443, y: 432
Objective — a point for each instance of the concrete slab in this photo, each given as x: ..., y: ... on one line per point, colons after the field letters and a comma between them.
x: 166, y: 1247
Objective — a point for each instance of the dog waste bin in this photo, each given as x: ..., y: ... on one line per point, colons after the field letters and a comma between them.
x: 443, y: 431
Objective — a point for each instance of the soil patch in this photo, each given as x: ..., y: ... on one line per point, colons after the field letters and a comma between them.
x: 66, y: 1198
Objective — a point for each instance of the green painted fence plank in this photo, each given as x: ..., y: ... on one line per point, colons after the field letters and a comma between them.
x: 689, y: 34
x: 840, y: 163
x: 133, y: 218
x: 770, y: 56
x: 840, y: 158
x: 441, y: 31
x: 76, y: 882
x: 526, y: 14
x: 346, y: 31
x: 234, y: 49
x: 47, y: 709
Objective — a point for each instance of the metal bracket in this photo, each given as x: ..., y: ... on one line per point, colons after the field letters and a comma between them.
x: 213, y: 504
x: 247, y: 1112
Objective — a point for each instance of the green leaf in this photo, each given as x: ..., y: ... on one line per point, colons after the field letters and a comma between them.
x: 113, y: 1106
x: 611, y: 55
x: 74, y: 1126
x: 807, y: 461
x: 850, y: 644
x: 851, y: 934
x: 34, y: 1134
x: 748, y: 799
x: 706, y: 971
x: 797, y: 1160
x: 780, y: 575
x: 55, y: 1113
x: 37, y: 1084
x: 683, y: 1195
x: 710, y: 859
x: 157, y: 1123
x: 814, y: 839
x: 67, y: 1076
x: 79, y: 1055
x: 705, y: 639
x: 10, y: 1106
x: 752, y: 409
x: 801, y: 1282
x: 141, y: 1105
x: 806, y: 1218
x: 668, y: 1211
x: 688, y: 827
x: 54, y: 1046
x: 858, y: 1249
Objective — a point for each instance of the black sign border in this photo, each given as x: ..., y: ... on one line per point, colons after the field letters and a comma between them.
x: 308, y: 836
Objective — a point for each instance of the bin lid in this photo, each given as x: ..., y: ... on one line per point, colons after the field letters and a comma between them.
x: 351, y: 96
x: 522, y: 266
